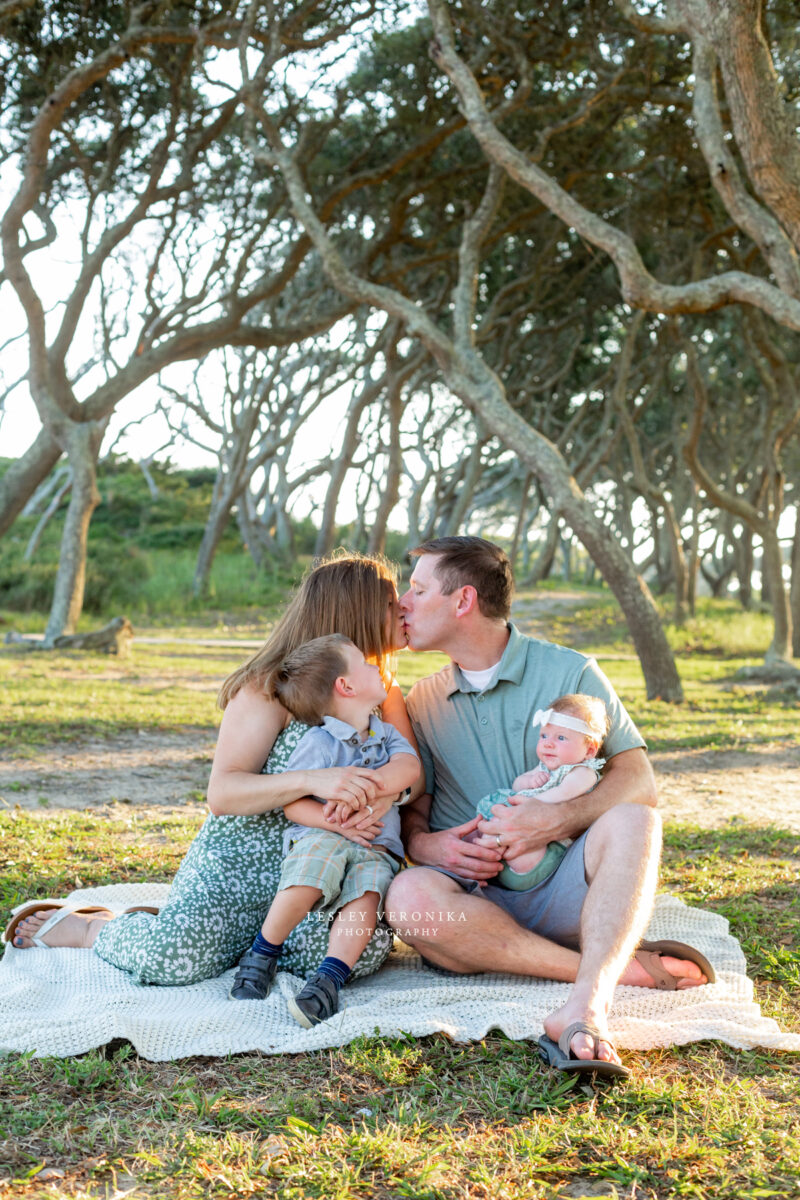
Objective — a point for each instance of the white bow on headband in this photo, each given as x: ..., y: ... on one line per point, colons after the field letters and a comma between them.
x: 547, y: 716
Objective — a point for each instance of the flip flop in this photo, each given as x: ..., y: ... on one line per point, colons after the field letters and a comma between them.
x: 59, y: 908
x: 649, y: 954
x: 561, y: 1058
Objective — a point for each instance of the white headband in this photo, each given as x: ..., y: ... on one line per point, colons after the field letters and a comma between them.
x: 547, y: 716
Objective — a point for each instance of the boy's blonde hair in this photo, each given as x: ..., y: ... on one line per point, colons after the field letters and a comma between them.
x: 305, y: 679
x: 590, y: 709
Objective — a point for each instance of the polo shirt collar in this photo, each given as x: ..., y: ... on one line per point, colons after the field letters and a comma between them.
x: 348, y: 733
x: 510, y: 669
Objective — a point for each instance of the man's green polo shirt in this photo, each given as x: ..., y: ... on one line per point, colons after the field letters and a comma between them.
x: 473, y: 742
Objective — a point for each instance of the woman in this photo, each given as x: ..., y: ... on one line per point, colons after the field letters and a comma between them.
x: 230, y: 874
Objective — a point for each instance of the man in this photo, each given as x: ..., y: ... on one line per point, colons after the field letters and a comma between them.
x: 473, y: 723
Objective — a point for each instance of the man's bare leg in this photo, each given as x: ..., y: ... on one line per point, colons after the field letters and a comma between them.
x: 466, y: 933
x: 471, y: 934
x: 78, y: 930
x: 622, y: 853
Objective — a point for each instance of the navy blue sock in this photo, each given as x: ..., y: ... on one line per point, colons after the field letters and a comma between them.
x: 335, y: 969
x: 268, y: 949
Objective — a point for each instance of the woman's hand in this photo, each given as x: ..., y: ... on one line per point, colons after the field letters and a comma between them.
x: 364, y: 817
x: 354, y: 786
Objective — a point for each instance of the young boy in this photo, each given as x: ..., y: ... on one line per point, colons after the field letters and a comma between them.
x: 327, y: 683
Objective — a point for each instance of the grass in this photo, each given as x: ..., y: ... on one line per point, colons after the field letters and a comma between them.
x: 402, y: 1117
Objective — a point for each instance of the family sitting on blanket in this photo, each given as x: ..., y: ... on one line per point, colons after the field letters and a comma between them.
x: 472, y: 723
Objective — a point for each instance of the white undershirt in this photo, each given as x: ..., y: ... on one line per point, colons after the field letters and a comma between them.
x: 480, y: 679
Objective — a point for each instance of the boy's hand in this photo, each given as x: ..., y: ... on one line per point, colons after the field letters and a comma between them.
x: 362, y: 837
x: 339, y: 810
x: 530, y: 780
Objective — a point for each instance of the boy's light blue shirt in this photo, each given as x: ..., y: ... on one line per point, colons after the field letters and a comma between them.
x: 334, y: 743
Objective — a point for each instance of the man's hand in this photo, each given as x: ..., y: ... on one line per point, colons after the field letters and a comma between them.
x: 525, y: 824
x: 449, y: 849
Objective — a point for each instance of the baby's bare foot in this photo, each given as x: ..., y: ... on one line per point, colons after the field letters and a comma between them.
x: 525, y: 862
x: 77, y: 930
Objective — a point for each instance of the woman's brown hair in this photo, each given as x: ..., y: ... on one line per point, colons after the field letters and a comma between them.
x: 346, y: 593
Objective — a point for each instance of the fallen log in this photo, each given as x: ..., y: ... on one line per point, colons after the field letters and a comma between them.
x: 113, y: 638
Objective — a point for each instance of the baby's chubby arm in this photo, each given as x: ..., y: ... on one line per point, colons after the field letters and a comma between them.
x: 531, y: 779
x: 575, y: 783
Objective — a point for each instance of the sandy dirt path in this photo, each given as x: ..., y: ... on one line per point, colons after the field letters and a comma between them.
x: 759, y: 785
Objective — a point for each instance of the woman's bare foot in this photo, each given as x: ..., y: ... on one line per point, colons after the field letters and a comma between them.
x: 77, y: 930
x: 582, y: 1045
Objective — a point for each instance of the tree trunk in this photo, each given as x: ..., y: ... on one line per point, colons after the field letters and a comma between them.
x: 327, y: 525
x: 693, y: 559
x: 219, y: 514
x: 680, y: 567
x: 519, y: 524
x: 780, y: 649
x: 530, y: 518
x: 284, y: 534
x: 656, y: 560
x: 376, y: 543
x: 83, y: 443
x: 743, y: 549
x: 255, y: 527
x: 486, y: 397
x: 795, y: 587
x: 413, y: 509
x: 463, y: 500
x: 48, y: 514
x: 24, y: 476
x: 544, y: 560
x: 565, y: 546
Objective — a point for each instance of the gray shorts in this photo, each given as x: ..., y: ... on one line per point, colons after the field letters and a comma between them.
x: 552, y: 908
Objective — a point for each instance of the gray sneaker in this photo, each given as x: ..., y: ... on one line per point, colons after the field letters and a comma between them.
x: 254, y: 976
x: 317, y: 1000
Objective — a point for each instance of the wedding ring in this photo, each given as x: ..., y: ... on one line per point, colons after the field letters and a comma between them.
x: 370, y: 809
x: 499, y: 843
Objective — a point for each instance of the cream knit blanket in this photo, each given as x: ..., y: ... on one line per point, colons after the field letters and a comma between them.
x: 64, y: 1002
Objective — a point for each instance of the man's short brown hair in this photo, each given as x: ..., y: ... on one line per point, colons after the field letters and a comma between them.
x: 473, y: 562
x: 305, y: 679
